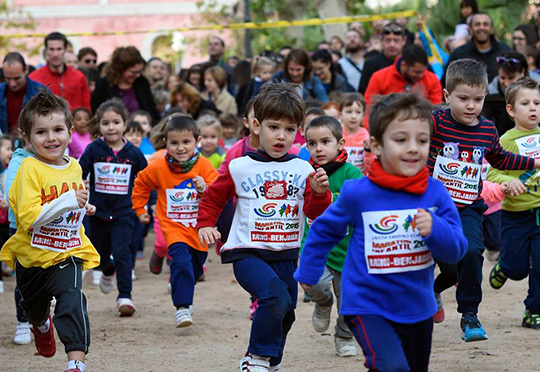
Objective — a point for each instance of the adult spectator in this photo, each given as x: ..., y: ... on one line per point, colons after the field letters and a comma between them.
x: 122, y: 78
x: 393, y: 40
x: 195, y: 77
x: 70, y: 59
x: 297, y: 69
x: 353, y: 64
x: 61, y: 79
x: 331, y: 80
x: 15, y: 92
x: 408, y: 73
x: 216, y: 51
x: 482, y: 47
x: 336, y: 44
x: 154, y: 72
x: 87, y: 58
x: 523, y: 36
x: 189, y: 100
x: 215, y: 79
x: 461, y: 34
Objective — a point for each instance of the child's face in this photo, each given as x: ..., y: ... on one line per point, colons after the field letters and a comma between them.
x: 352, y: 116
x: 229, y: 131
x: 112, y: 128
x: 6, y: 150
x: 134, y: 136
x: 275, y: 136
x: 80, y: 122
x: 526, y: 109
x: 210, y: 84
x: 404, y: 148
x: 145, y: 124
x: 505, y: 78
x: 195, y: 79
x: 307, y: 120
x: 265, y: 73
x: 248, y: 122
x: 209, y: 139
x: 466, y: 102
x: 322, y: 145
x: 49, y: 138
x: 181, y: 145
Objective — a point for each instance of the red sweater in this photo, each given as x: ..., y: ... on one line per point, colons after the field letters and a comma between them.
x: 71, y: 85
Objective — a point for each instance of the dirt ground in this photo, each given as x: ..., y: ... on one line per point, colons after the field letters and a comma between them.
x: 149, y: 342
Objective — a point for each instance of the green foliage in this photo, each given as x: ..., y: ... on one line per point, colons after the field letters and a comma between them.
x: 13, y: 21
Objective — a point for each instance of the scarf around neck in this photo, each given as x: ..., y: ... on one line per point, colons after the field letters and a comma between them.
x: 181, y: 166
x: 416, y: 184
x: 331, y: 167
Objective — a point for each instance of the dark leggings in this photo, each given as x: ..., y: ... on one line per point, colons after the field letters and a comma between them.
x: 447, y: 277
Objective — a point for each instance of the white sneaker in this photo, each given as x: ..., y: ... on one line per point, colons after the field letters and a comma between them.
x: 183, y: 318
x: 275, y: 368
x: 169, y: 288
x: 106, y: 283
x: 96, y: 276
x: 125, y: 306
x: 1, y: 285
x: 53, y: 302
x: 22, y: 334
x: 133, y: 276
x: 345, y: 347
x: 321, y: 318
x: 254, y: 363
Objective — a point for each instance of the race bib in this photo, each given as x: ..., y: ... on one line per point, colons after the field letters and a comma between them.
x: 461, y: 179
x: 60, y: 235
x: 392, y: 243
x: 529, y: 146
x: 355, y: 156
x: 274, y: 221
x: 112, y: 178
x: 183, y: 206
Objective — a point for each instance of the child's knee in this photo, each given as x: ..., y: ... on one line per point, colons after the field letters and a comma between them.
x: 516, y: 273
x: 70, y: 301
x: 279, y: 299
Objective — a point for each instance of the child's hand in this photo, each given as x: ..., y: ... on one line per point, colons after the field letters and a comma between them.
x: 153, y: 208
x: 208, y: 235
x: 505, y: 188
x: 319, y: 181
x: 82, y: 197
x: 90, y: 209
x: 516, y: 187
x: 144, y: 218
x: 306, y: 287
x: 424, y: 222
x: 199, y: 183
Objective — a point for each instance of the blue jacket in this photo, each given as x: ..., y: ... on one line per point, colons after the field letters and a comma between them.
x: 396, y: 279
x: 32, y: 88
x: 311, y: 89
x: 110, y: 206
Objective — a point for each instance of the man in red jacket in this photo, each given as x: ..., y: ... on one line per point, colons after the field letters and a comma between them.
x: 62, y: 80
x: 409, y: 72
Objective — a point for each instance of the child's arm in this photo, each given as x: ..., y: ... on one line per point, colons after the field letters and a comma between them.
x: 514, y: 186
x: 143, y: 186
x: 317, y: 197
x: 494, y: 193
x: 501, y: 159
x: 86, y: 161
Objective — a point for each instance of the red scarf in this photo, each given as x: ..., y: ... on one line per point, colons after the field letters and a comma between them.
x: 416, y: 184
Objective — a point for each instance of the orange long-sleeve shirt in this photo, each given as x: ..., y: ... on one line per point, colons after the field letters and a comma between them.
x: 177, y: 201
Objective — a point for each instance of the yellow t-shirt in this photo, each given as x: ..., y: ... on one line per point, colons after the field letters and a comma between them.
x: 49, y: 220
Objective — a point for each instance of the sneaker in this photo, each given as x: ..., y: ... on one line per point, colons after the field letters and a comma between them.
x: 156, y: 264
x: 438, y: 317
x: 72, y: 370
x: 254, y: 363
x: 126, y: 307
x: 530, y: 320
x: 496, y: 277
x: 133, y: 276
x: 345, y: 347
x: 183, y: 317
x: 321, y: 317
x: 472, y: 328
x: 253, y: 308
x: 1, y: 286
x: 45, y: 344
x: 275, y: 368
x: 96, y: 276
x: 106, y: 283
x: 22, y: 334
x: 53, y: 302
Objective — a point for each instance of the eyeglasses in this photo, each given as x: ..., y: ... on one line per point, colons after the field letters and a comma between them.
x: 392, y: 30
x: 508, y: 61
x: 90, y: 60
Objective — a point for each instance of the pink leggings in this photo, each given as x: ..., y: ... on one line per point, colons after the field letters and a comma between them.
x: 160, y: 245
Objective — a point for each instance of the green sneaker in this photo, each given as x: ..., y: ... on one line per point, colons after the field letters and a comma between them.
x: 496, y: 277
x: 530, y: 320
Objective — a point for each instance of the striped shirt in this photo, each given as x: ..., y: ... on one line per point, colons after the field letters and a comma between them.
x: 466, y: 138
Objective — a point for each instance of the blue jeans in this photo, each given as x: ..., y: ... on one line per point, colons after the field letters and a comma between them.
x: 390, y: 346
x: 186, y: 268
x: 272, y: 283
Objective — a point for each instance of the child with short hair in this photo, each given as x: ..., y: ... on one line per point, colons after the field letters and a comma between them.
x: 519, y: 227
x: 408, y: 220
x: 81, y: 137
x: 112, y: 163
x: 274, y: 192
x: 311, y: 113
x: 49, y: 249
x: 461, y: 139
x: 210, y: 134
x: 134, y: 133
x: 144, y: 118
x: 325, y: 142
x: 263, y: 71
x: 180, y: 176
x: 215, y: 83
x: 230, y: 124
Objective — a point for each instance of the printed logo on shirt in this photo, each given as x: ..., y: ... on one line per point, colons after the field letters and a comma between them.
x: 60, y: 235
x: 387, y: 225
x: 112, y: 178
x: 530, y: 142
x: 450, y: 168
x: 183, y: 203
x: 275, y: 190
x: 529, y: 146
x: 267, y: 210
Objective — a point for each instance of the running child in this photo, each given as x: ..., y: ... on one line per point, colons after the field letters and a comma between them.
x: 48, y: 198
x: 325, y: 142
x: 113, y: 163
x: 210, y: 130
x: 274, y: 192
x: 180, y: 176
x: 461, y: 139
x: 81, y: 136
x: 519, y: 226
x: 407, y: 221
x: 144, y: 118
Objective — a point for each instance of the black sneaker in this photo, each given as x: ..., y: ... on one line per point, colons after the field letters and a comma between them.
x: 530, y: 320
x: 496, y: 277
x: 472, y: 328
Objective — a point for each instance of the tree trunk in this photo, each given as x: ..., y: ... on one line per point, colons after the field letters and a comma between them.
x: 332, y: 8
